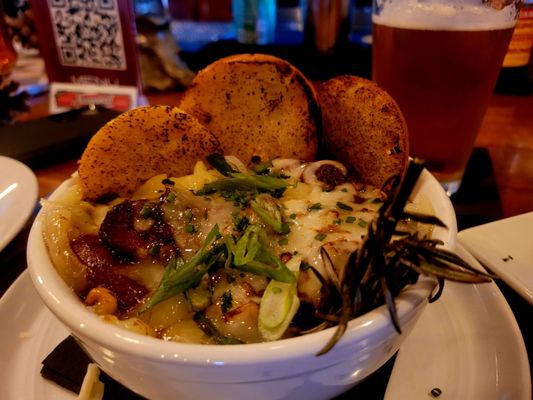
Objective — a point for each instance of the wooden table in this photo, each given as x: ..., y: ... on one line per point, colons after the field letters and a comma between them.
x: 507, y: 133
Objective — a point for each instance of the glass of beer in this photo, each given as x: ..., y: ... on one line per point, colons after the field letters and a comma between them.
x: 440, y: 59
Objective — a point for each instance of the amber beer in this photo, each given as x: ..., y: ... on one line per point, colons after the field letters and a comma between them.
x: 442, y: 78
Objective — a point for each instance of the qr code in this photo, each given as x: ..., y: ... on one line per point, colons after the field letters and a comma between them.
x: 88, y: 33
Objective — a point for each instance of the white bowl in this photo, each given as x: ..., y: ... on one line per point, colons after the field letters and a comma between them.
x: 286, y: 368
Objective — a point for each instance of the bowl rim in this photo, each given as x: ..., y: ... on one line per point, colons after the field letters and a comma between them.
x: 86, y: 325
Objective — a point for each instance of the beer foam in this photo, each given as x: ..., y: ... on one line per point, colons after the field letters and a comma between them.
x: 438, y: 15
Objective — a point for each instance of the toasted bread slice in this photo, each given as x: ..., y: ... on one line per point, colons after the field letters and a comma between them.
x: 363, y: 128
x: 256, y: 105
x: 139, y: 144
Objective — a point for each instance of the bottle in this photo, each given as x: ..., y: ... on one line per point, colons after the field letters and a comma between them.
x: 8, y: 55
x: 360, y: 22
x: 515, y: 75
x: 326, y: 16
x: 255, y: 21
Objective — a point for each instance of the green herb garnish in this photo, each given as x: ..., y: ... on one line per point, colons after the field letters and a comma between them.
x: 146, y: 211
x: 262, y: 168
x: 362, y: 223
x: 191, y: 228
x: 154, y: 250
x: 283, y: 242
x: 240, y: 222
x: 246, y: 183
x: 218, y: 162
x: 320, y: 236
x: 188, y: 215
x: 344, y: 206
x: 251, y: 253
x: 269, y: 209
x: 180, y: 276
x: 171, y: 197
x: 316, y: 206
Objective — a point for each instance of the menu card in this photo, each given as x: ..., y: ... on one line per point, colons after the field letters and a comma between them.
x: 90, y: 52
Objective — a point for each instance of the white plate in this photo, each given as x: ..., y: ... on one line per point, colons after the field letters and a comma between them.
x: 506, y: 248
x: 29, y: 333
x: 467, y: 344
x: 18, y: 194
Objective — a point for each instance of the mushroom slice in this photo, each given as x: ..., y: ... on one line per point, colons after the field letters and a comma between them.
x: 327, y: 173
x: 288, y: 167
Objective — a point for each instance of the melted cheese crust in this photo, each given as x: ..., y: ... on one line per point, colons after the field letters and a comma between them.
x: 332, y: 221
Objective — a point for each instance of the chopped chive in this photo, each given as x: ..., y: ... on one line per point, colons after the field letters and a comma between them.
x: 337, y: 221
x: 188, y: 215
x: 292, y: 216
x: 362, y: 223
x: 190, y: 228
x: 283, y: 242
x: 344, y: 206
x: 320, y: 236
x: 350, y: 219
x: 316, y: 206
x: 344, y: 190
x: 154, y: 250
x: 146, y: 212
x: 171, y: 197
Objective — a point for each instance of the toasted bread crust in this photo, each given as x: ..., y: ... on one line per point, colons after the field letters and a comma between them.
x: 139, y: 144
x: 363, y: 128
x: 256, y: 105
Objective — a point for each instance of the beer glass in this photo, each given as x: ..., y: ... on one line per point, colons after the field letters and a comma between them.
x: 440, y: 59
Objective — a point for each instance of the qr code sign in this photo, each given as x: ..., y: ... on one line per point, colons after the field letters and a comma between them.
x: 88, y: 33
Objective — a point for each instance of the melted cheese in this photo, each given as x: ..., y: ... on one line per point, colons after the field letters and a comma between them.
x: 313, y: 226
x: 335, y: 221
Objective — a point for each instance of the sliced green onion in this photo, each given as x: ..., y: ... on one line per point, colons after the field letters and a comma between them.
x: 252, y: 254
x: 279, y: 304
x: 180, y: 276
x: 171, y: 197
x: 269, y: 209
